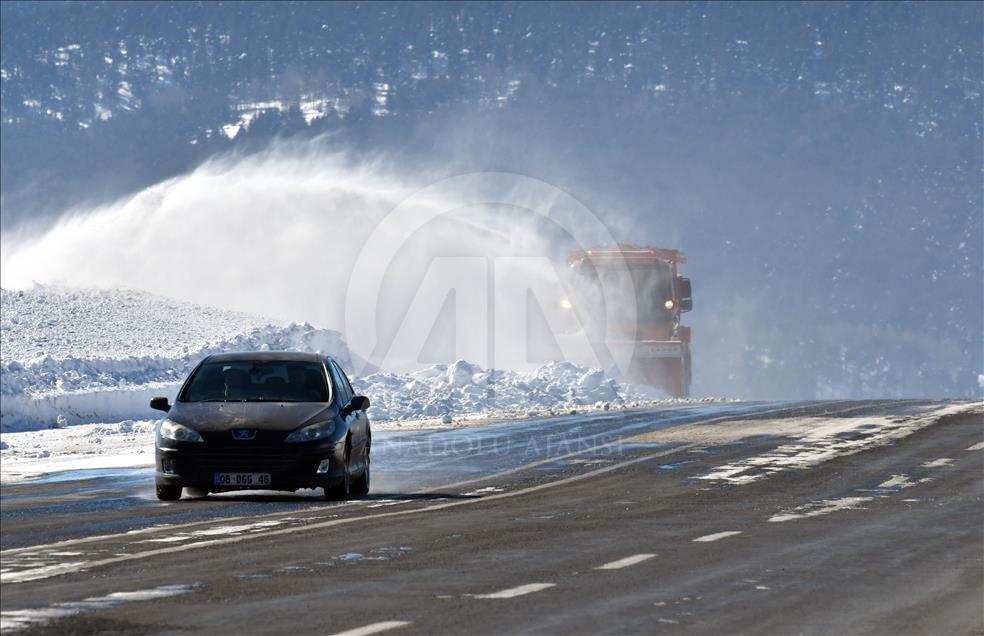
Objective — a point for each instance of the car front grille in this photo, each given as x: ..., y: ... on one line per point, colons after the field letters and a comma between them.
x: 247, y: 459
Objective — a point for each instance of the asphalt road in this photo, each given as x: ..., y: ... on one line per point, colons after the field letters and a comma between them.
x: 814, y: 518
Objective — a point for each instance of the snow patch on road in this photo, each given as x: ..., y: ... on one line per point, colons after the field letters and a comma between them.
x: 19, y: 619
x: 483, y: 491
x: 897, y: 482
x: 818, y: 508
x: 827, y: 439
x: 358, y: 556
x: 221, y: 531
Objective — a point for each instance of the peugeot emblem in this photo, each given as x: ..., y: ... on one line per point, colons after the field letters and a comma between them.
x: 243, y: 434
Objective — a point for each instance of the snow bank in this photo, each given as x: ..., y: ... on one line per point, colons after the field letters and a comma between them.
x: 57, y: 409
x: 71, y: 356
x: 62, y: 323
x: 463, y: 389
x: 80, y: 356
x: 31, y: 454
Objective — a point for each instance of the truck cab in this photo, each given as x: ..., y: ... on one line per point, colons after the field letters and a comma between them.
x: 656, y: 344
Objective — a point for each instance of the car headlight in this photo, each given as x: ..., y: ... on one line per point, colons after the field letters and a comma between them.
x: 312, y: 432
x: 179, y: 432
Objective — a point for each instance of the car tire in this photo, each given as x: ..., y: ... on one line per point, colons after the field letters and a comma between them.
x: 169, y: 493
x: 360, y: 487
x: 341, y: 490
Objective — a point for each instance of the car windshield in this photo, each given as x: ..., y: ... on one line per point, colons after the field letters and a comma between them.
x: 257, y: 381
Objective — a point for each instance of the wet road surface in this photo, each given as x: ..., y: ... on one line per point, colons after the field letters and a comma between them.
x: 632, y: 522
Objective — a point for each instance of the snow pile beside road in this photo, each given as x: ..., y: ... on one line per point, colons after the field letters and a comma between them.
x: 30, y: 454
x: 63, y: 323
x: 72, y: 356
x: 464, y: 389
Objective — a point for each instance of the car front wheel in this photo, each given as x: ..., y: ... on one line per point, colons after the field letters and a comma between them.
x: 341, y: 490
x: 360, y: 486
x: 169, y: 493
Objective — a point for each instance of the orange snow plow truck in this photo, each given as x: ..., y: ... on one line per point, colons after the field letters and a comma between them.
x: 657, y: 346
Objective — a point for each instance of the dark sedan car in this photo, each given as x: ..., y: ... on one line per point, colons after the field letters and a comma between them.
x: 270, y: 421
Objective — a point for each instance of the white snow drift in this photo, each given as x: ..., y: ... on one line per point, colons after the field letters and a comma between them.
x: 69, y: 356
x: 74, y: 356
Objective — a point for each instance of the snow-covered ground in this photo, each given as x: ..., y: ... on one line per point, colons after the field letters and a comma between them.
x: 71, y: 356
x: 31, y: 454
x: 64, y: 323
x: 448, y: 391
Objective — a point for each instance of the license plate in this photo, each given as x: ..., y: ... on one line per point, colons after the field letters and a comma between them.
x: 242, y: 479
x: 669, y: 350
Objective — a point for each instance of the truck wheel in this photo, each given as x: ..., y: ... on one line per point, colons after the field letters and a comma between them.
x: 672, y: 377
x: 687, y: 374
x: 169, y: 493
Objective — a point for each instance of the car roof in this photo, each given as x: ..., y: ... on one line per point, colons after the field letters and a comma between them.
x: 260, y: 356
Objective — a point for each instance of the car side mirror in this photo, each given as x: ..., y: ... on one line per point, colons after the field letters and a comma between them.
x: 160, y: 404
x: 359, y: 403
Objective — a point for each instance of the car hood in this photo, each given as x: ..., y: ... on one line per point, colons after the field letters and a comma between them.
x: 210, y: 417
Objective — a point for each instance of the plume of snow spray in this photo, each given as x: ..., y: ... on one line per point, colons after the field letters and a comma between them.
x: 279, y: 233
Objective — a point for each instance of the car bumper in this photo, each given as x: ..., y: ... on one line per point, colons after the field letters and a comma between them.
x: 290, y: 466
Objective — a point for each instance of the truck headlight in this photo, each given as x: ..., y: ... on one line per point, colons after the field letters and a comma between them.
x: 312, y: 432
x: 668, y: 304
x: 179, y: 432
